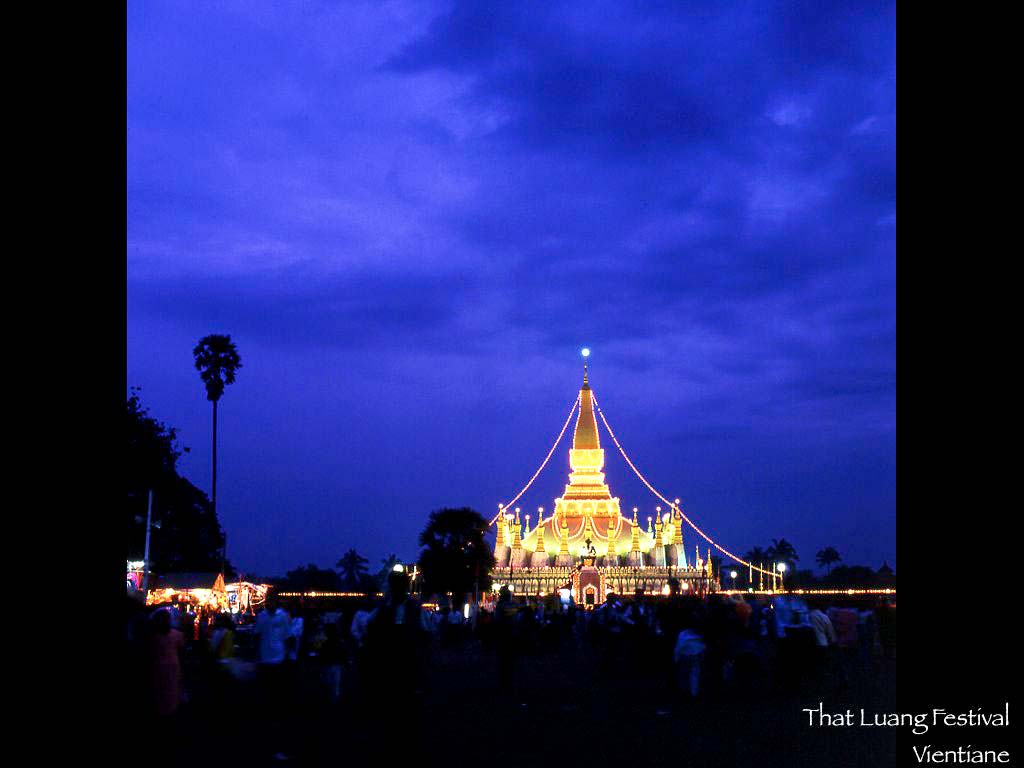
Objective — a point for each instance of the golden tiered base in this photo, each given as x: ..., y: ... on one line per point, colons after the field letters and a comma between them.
x: 621, y: 580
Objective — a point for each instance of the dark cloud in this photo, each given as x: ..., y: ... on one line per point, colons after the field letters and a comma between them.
x: 432, y: 210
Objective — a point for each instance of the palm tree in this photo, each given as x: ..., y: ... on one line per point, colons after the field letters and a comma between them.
x: 353, y: 567
x: 217, y: 360
x: 387, y: 564
x: 781, y: 551
x: 756, y: 556
x: 827, y: 557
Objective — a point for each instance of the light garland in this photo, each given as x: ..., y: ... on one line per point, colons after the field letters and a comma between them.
x: 676, y: 508
x: 807, y: 592
x: 329, y: 594
x: 502, y: 508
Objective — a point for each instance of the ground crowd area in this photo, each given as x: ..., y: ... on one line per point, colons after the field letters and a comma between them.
x: 636, y: 682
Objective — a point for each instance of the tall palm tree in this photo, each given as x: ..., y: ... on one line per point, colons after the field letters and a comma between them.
x: 353, y: 567
x: 387, y: 564
x: 781, y: 551
x: 757, y: 556
x: 827, y: 557
x: 217, y: 360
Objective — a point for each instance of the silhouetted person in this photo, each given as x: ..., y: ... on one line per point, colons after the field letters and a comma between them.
x: 166, y: 644
x: 273, y: 627
x: 688, y: 655
x: 505, y: 640
x: 394, y: 639
x: 332, y: 656
x: 886, y: 616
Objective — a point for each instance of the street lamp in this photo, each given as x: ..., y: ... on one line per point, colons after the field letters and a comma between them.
x: 732, y: 575
x: 782, y: 570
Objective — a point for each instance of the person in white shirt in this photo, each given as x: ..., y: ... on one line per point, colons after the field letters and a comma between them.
x: 272, y: 627
x: 360, y: 621
x: 824, y: 632
x: 825, y: 640
x: 295, y: 638
x: 688, y: 654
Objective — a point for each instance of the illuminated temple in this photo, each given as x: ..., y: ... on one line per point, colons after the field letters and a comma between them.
x: 586, y: 544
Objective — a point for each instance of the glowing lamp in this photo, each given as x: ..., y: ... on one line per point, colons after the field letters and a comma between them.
x: 398, y: 568
x: 585, y: 351
x: 782, y: 567
x: 732, y: 574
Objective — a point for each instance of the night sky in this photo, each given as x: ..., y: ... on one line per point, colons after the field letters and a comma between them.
x: 411, y: 216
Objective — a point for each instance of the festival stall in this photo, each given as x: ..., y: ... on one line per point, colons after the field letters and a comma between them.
x: 200, y: 590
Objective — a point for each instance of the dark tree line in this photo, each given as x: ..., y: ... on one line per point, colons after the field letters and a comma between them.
x: 352, y: 575
x: 454, y: 558
x: 841, y: 576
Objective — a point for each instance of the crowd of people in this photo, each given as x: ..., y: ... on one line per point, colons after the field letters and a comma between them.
x: 290, y: 656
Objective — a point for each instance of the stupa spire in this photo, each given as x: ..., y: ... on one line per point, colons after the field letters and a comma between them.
x: 585, y: 437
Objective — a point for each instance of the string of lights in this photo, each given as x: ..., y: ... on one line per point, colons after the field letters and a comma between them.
x: 675, y: 507
x: 503, y: 507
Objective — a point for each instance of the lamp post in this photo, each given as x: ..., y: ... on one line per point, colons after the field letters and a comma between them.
x: 145, y: 556
x: 782, y: 570
x: 732, y: 575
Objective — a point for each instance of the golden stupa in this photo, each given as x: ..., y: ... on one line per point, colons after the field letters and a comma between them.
x: 586, y: 544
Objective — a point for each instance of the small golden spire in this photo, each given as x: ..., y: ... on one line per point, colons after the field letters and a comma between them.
x: 634, y: 538
x: 517, y: 540
x: 499, y: 536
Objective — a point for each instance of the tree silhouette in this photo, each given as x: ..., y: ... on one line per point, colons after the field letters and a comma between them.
x: 186, y: 535
x: 386, y: 566
x: 853, y: 576
x: 781, y: 551
x: 757, y: 556
x: 455, y: 558
x: 309, y: 578
x: 217, y: 360
x: 828, y: 557
x: 353, y: 569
